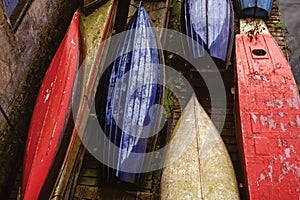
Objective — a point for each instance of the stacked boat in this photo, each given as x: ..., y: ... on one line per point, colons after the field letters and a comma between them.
x: 200, y: 166
x: 125, y: 99
x: 254, y: 8
x: 47, y: 163
x: 210, y: 24
x: 54, y: 150
x: 52, y: 122
x: 96, y: 28
x: 267, y: 109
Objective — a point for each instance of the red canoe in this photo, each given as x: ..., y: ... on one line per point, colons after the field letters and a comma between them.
x: 269, y: 119
x: 74, y: 156
x: 51, y: 119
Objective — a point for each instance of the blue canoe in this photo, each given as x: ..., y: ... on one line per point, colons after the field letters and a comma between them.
x: 254, y: 8
x: 211, y: 24
x: 132, y: 87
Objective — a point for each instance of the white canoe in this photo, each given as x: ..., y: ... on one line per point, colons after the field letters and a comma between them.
x: 204, y: 169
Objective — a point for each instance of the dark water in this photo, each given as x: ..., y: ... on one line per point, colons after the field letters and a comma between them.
x: 290, y: 10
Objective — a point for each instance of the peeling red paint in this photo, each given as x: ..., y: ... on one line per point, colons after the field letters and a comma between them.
x: 47, y: 132
x: 269, y: 117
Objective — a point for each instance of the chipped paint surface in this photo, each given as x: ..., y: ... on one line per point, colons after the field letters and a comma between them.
x: 254, y: 117
x: 50, y: 116
x: 270, y: 119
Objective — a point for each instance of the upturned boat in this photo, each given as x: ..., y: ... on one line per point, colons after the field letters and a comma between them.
x: 51, y: 122
x: 96, y: 28
x: 125, y: 101
x: 269, y: 119
x: 211, y: 25
x: 254, y: 8
x: 198, y: 165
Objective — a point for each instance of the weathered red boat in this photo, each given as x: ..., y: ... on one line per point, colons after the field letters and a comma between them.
x: 51, y: 121
x: 269, y: 119
x: 96, y: 28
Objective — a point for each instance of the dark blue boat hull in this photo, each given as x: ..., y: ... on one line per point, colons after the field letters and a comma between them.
x: 132, y: 87
x: 9, y: 6
x: 211, y: 24
x: 254, y: 8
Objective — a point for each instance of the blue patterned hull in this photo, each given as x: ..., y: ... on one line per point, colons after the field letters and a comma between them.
x: 133, y: 86
x: 210, y: 24
x: 254, y: 8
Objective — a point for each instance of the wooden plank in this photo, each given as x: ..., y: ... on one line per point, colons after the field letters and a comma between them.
x: 89, y: 172
x: 122, y: 13
x: 228, y: 132
x: 88, y: 181
x: 87, y: 192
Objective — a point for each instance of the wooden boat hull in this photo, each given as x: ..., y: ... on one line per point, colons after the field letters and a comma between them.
x: 204, y: 169
x: 254, y: 8
x: 51, y: 121
x: 269, y: 119
x: 210, y: 24
x: 132, y: 87
x: 96, y: 28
